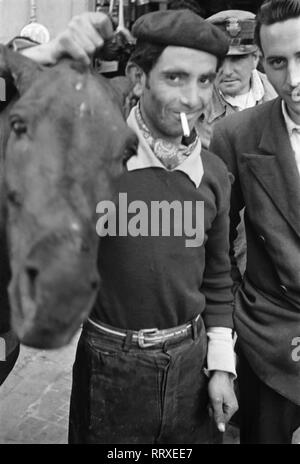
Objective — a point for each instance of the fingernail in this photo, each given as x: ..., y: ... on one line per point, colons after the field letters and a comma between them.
x: 221, y: 427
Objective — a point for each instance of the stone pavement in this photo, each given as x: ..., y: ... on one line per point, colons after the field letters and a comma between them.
x: 34, y: 400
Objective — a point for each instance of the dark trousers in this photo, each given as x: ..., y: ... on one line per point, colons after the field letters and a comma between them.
x: 122, y: 393
x: 264, y: 415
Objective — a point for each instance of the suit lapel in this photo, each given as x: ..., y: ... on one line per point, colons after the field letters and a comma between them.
x: 276, y: 169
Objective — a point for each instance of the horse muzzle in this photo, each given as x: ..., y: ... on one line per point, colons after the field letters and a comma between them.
x: 54, y: 290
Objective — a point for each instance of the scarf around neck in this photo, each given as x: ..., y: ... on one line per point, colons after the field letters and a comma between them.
x: 169, y: 154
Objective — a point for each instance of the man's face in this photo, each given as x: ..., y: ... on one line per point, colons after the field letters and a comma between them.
x: 235, y: 74
x: 181, y: 81
x: 281, y: 53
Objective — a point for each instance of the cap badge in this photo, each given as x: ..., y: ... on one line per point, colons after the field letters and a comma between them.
x: 233, y: 27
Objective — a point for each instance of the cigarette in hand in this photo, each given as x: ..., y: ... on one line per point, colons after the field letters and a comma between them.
x: 185, y: 125
x: 221, y: 427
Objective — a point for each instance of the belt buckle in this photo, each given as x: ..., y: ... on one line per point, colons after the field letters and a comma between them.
x: 140, y: 337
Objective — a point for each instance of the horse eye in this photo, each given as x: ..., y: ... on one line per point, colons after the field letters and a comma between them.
x: 14, y: 198
x: 18, y: 126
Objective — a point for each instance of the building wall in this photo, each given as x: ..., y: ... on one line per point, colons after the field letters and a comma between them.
x: 54, y: 14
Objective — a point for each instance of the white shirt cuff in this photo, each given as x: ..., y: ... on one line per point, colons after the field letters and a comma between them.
x: 220, y: 352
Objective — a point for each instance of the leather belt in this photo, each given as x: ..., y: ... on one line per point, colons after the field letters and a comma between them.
x: 148, y: 337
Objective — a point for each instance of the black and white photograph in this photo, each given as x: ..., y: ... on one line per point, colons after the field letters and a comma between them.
x: 150, y: 225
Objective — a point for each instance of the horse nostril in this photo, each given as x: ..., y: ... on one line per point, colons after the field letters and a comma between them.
x: 32, y: 274
x: 94, y: 284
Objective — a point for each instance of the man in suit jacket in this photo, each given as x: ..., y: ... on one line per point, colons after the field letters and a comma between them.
x: 261, y: 147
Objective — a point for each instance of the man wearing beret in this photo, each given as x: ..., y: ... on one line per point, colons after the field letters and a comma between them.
x: 157, y: 348
x: 261, y: 147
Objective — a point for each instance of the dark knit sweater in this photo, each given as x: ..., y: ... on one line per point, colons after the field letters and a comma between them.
x: 158, y: 282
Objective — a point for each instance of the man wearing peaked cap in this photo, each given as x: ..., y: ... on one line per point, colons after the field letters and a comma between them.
x: 164, y: 310
x: 238, y: 85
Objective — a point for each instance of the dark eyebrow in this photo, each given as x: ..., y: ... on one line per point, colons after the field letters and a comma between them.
x: 209, y: 75
x: 175, y: 71
x: 275, y: 57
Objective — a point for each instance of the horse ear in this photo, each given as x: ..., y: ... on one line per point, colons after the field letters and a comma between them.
x: 18, y: 68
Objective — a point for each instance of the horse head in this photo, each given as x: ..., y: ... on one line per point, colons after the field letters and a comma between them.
x: 67, y: 139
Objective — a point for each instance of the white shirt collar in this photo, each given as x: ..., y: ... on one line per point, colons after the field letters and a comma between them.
x: 255, y: 94
x: 145, y: 158
x: 290, y: 124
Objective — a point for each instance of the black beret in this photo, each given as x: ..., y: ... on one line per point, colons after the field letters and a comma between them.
x: 181, y: 28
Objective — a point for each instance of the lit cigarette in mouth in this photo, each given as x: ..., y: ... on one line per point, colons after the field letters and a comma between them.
x: 185, y: 125
x: 296, y: 94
